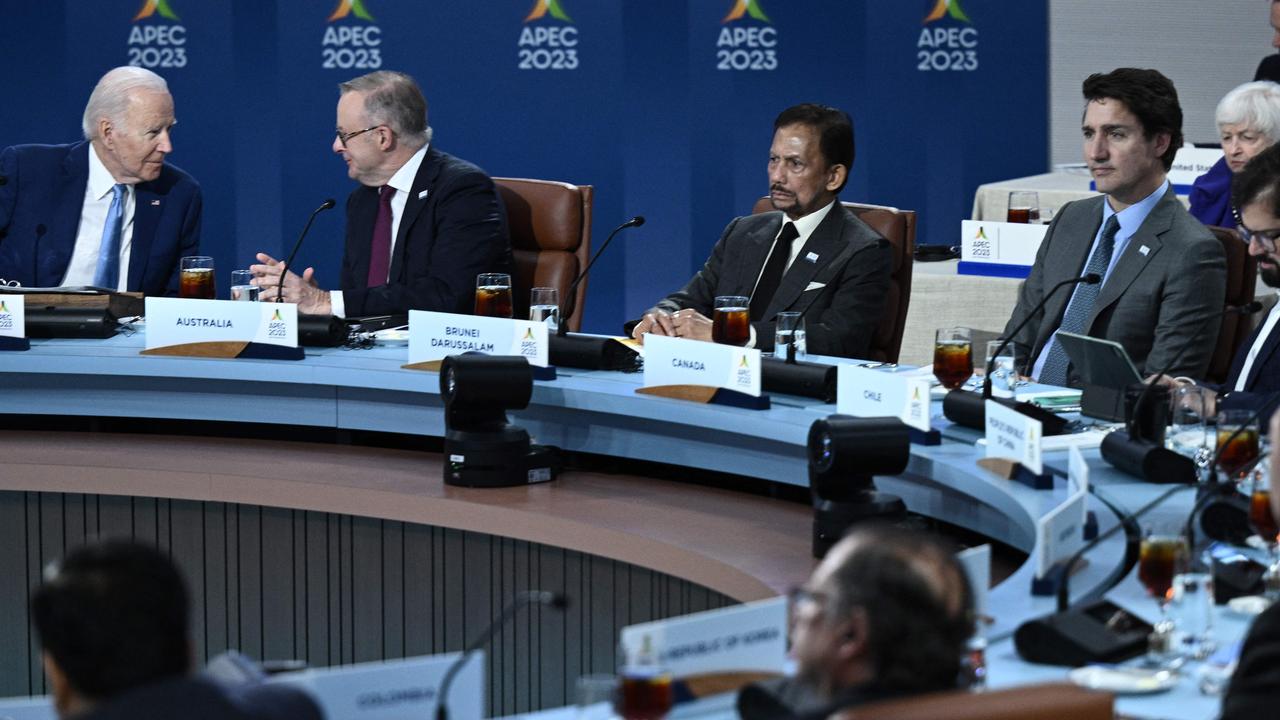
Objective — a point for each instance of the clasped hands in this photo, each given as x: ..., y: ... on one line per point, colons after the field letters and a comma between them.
x: 686, y: 323
x: 300, y: 289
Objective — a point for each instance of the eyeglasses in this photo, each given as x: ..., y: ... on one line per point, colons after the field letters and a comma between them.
x: 1265, y: 238
x: 344, y: 137
x: 800, y: 595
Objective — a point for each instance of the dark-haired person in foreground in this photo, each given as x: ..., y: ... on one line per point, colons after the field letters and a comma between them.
x: 112, y: 620
x: 812, y: 256
x: 1254, y: 378
x: 1254, y: 691
x: 886, y: 614
x: 1162, y: 271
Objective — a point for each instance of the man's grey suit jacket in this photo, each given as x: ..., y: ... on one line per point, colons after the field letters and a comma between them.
x: 1170, y: 278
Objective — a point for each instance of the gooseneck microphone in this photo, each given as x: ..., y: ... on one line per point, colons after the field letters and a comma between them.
x: 554, y: 600
x: 326, y: 205
x: 563, y: 328
x: 1087, y: 279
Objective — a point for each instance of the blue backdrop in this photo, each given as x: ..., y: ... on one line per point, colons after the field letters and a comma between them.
x: 665, y: 106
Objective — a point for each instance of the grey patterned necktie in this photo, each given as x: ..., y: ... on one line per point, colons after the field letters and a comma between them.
x: 1081, y: 307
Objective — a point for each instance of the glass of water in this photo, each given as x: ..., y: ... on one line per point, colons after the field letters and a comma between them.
x: 789, y: 338
x: 1192, y: 610
x: 1189, y: 431
x: 242, y: 287
x: 1003, y: 377
x: 544, y: 306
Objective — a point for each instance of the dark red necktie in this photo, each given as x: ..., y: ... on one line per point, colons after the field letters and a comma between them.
x: 380, y: 251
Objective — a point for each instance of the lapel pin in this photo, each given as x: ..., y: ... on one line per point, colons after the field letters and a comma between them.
x: 423, y: 195
x: 155, y: 202
x: 1144, y: 250
x: 811, y: 257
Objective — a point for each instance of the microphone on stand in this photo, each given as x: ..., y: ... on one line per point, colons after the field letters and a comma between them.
x: 636, y: 221
x: 584, y: 351
x: 326, y: 205
x: 554, y: 600
x: 969, y: 409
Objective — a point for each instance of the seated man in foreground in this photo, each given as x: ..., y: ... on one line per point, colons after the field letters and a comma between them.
x: 108, y: 211
x: 886, y: 614
x: 112, y: 621
x: 421, y: 226
x: 1163, y: 273
x: 813, y: 256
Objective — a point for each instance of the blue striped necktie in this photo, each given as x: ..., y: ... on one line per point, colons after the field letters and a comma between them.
x: 1054, y: 371
x: 107, y: 274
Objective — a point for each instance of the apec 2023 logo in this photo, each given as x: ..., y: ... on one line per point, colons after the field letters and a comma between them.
x: 352, y: 39
x: 548, y: 40
x: 948, y: 40
x: 160, y: 42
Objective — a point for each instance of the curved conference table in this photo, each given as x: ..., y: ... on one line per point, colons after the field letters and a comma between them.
x: 725, y: 545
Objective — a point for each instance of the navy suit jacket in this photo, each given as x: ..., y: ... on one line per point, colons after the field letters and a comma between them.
x: 452, y: 229
x: 1263, y: 383
x: 41, y: 198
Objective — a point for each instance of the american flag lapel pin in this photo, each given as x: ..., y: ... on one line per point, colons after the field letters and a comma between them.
x: 155, y: 203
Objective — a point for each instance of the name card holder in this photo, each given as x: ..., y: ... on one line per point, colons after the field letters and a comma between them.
x: 869, y: 392
x: 1054, y: 544
x: 1015, y: 437
x: 703, y: 372
x: 13, y: 325
x: 433, y: 336
x: 1048, y: 585
x: 184, y: 327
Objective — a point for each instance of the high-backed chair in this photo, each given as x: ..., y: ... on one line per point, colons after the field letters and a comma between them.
x: 550, y: 225
x: 1055, y: 701
x: 899, y: 228
x: 1242, y: 277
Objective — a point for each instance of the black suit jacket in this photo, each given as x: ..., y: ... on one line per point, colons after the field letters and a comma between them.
x: 41, y: 202
x: 1255, y: 688
x: 453, y: 228
x: 839, y: 280
x: 1269, y: 68
x: 201, y: 699
x: 1263, y: 383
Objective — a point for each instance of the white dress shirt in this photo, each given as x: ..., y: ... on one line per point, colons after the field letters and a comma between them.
x: 93, y: 220
x: 402, y: 181
x: 1267, y: 327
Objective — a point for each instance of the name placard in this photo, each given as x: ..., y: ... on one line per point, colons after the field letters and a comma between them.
x: 976, y: 562
x: 394, y: 689
x: 175, y: 322
x: 982, y: 241
x: 13, y: 316
x: 436, y: 335
x: 1014, y: 436
x: 1190, y: 163
x: 745, y: 638
x: 865, y: 392
x: 1060, y: 532
x: 677, y: 361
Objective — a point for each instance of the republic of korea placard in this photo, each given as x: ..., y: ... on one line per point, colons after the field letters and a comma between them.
x: 437, y: 335
x: 864, y: 392
x: 180, y: 321
x: 13, y: 316
x: 677, y: 361
x: 750, y: 637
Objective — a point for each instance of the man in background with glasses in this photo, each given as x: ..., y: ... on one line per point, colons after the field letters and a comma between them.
x: 887, y: 614
x: 421, y: 225
x: 108, y: 211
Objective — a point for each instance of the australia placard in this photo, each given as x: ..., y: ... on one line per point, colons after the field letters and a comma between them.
x: 13, y: 322
x: 180, y: 322
x: 864, y: 392
x: 677, y: 361
x: 434, y: 336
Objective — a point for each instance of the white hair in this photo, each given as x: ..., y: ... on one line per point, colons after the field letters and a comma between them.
x: 110, y: 97
x: 1256, y: 105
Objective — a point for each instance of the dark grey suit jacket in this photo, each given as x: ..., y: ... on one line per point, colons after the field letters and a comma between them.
x: 1170, y: 278
x: 849, y: 270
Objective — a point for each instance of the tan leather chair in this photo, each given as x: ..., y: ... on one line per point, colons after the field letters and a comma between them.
x: 1031, y: 702
x: 1242, y: 277
x: 550, y: 225
x: 899, y: 228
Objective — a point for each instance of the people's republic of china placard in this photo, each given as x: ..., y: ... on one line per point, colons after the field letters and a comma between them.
x: 864, y: 392
x: 218, y: 328
x: 433, y: 336
x: 677, y: 361
x: 13, y: 316
x: 1014, y: 436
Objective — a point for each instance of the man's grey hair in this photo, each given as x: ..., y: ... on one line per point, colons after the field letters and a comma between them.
x: 1256, y: 105
x: 110, y: 97
x: 395, y: 100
